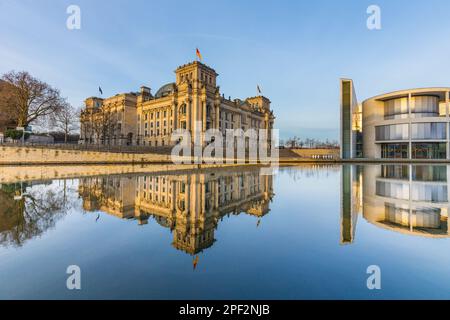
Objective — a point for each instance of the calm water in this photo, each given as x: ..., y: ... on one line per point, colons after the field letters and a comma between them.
x: 305, y: 233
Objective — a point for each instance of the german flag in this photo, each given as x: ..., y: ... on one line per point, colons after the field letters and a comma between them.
x: 199, y: 55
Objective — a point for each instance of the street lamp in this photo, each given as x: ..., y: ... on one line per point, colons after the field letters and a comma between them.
x: 22, y: 194
x: 24, y: 130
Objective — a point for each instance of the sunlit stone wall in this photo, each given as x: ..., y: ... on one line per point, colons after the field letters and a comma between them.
x: 28, y: 155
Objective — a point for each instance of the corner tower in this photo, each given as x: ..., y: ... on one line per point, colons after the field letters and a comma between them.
x: 198, y: 88
x: 197, y: 73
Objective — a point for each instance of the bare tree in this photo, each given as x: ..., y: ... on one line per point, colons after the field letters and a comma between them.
x: 87, y: 127
x: 65, y: 120
x: 105, y: 126
x: 33, y: 99
x: 296, y: 142
x: 6, y: 102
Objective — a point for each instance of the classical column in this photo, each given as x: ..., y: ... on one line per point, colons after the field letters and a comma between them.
x: 174, y: 116
x: 203, y: 115
x: 188, y: 114
x: 203, y: 198
x: 236, y: 188
x: 217, y: 116
x: 187, y: 196
x: 216, y: 194
x: 174, y: 196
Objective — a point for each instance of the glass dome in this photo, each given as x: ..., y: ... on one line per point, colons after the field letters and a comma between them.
x: 165, y: 90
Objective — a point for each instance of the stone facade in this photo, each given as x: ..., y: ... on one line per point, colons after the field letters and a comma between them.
x: 146, y: 119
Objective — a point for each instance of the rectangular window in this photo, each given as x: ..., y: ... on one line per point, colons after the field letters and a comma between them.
x: 429, y: 150
x: 396, y: 108
x: 429, y: 131
x: 429, y: 173
x: 394, y: 151
x: 392, y: 132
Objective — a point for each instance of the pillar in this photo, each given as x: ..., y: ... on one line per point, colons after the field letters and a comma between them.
x: 409, y: 127
x: 447, y: 123
x: 188, y: 114
x: 204, y: 115
x: 217, y: 116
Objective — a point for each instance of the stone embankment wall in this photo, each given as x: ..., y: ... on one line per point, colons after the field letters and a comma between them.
x: 14, y: 174
x: 14, y: 155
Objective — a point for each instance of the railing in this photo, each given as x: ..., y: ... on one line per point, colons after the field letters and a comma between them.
x: 94, y: 147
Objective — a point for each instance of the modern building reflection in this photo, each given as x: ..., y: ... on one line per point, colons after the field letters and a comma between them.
x: 410, y: 199
x: 190, y: 204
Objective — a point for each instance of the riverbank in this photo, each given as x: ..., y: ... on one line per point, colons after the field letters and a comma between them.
x: 41, y: 155
x: 11, y: 174
x: 76, y: 155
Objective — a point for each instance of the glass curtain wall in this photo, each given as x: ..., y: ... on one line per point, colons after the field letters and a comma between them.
x: 429, y: 150
x: 428, y: 131
x: 421, y: 106
x: 394, y: 151
x: 392, y: 132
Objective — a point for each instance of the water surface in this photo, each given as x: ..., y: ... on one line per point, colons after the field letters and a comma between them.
x: 308, y: 232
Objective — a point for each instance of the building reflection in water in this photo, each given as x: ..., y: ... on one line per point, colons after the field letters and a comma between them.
x: 191, y: 204
x: 411, y: 199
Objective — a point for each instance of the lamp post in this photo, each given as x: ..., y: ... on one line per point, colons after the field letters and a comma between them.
x: 23, y: 133
x: 24, y: 130
x: 22, y: 194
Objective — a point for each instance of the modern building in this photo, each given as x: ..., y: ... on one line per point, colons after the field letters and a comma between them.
x: 146, y: 119
x: 407, y: 124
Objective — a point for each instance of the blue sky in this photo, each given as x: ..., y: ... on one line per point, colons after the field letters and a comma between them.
x: 295, y: 50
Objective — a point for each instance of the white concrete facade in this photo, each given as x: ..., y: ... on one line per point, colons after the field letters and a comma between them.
x: 407, y: 124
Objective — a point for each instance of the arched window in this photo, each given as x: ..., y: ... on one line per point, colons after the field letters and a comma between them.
x: 183, y: 109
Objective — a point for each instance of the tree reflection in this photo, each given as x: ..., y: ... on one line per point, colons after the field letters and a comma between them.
x: 28, y: 211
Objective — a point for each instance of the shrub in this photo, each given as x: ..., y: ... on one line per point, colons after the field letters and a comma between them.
x: 15, y: 134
